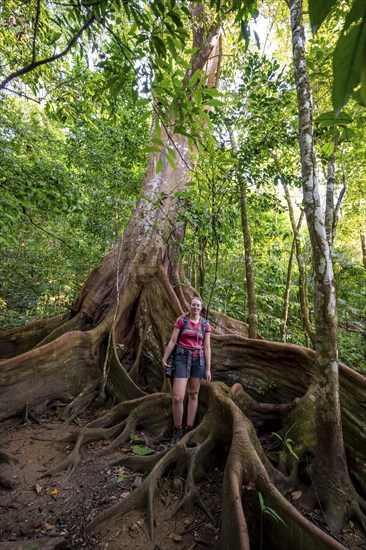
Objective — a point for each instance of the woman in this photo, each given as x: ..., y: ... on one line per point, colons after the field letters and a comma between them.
x: 192, y: 363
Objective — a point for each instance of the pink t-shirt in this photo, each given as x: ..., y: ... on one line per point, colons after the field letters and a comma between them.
x: 191, y: 336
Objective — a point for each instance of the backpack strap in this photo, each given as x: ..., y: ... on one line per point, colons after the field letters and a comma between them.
x: 184, y: 326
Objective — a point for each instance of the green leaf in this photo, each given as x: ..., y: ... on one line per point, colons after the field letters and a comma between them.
x: 328, y: 148
x: 331, y: 119
x: 171, y: 161
x: 152, y: 149
x: 347, y: 134
x: 348, y: 60
x: 357, y: 13
x: 172, y: 152
x: 274, y: 514
x: 175, y: 17
x: 318, y: 11
x: 245, y: 32
x: 360, y: 95
x: 158, y: 45
x: 143, y: 102
x: 269, y: 511
x: 159, y: 166
x: 122, y: 478
x: 55, y: 36
x: 141, y: 450
x: 214, y: 102
x: 158, y: 141
x: 194, y: 78
x: 261, y: 501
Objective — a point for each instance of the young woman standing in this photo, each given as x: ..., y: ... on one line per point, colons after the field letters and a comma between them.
x: 192, y: 363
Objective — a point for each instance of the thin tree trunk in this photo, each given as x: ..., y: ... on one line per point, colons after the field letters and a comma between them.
x: 249, y: 268
x: 330, y: 221
x: 339, y: 200
x: 286, y: 296
x: 303, y: 295
x: 201, y: 265
x: 330, y: 460
x: 363, y: 247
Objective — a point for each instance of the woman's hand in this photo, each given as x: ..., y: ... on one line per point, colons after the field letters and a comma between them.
x: 208, y: 376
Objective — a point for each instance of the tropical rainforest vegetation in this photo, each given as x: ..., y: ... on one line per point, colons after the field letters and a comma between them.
x: 152, y: 151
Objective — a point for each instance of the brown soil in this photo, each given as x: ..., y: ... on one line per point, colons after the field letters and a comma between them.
x: 41, y: 512
x: 52, y: 512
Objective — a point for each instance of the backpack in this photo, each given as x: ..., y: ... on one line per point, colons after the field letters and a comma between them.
x: 169, y: 371
x: 184, y: 326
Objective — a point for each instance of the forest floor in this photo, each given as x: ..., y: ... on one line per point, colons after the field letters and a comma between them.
x: 39, y: 512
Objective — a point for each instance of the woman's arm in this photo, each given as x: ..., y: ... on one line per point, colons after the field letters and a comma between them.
x: 207, y: 348
x: 170, y: 346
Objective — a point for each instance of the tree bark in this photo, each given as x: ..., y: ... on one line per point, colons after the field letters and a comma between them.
x: 249, y: 268
x: 336, y: 497
x: 331, y: 206
x: 303, y: 295
x: 295, y: 244
x: 363, y: 247
x: 120, y: 304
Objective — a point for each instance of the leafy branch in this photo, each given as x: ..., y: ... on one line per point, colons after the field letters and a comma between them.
x: 38, y: 226
x: 34, y: 64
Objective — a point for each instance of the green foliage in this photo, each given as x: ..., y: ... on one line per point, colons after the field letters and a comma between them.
x: 34, y: 172
x: 69, y: 186
x: 318, y: 11
x: 72, y: 163
x: 269, y: 511
x: 264, y: 389
x: 141, y: 450
x: 38, y: 277
x: 349, y: 61
x: 122, y: 478
x: 287, y: 443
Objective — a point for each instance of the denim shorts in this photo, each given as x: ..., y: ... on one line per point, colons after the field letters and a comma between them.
x: 187, y: 366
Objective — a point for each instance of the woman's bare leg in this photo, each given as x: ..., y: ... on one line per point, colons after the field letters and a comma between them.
x: 193, y: 389
x: 179, y: 390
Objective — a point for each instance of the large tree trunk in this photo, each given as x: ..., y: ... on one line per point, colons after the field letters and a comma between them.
x: 117, y: 317
x: 336, y: 498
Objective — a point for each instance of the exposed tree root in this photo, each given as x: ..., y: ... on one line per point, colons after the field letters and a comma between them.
x: 281, y: 374
x: 223, y: 426
x: 56, y: 371
x: 9, y: 459
x: 19, y: 340
x: 337, y: 506
x: 120, y: 423
x: 27, y: 416
x: 81, y: 402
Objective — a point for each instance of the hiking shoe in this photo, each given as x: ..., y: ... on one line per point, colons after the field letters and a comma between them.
x: 190, y: 443
x: 177, y: 435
